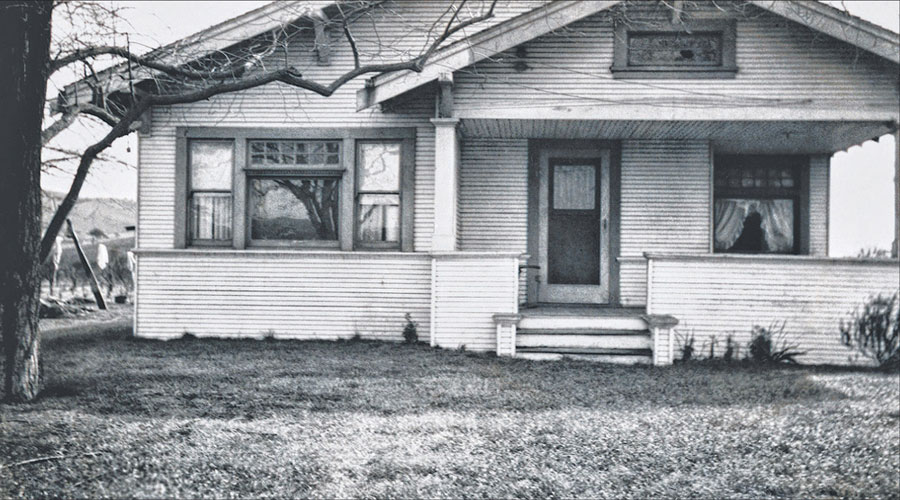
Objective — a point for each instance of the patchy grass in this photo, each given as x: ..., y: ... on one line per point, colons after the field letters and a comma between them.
x: 210, y: 418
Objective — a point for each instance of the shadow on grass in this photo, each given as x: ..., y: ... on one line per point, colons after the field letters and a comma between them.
x: 106, y: 372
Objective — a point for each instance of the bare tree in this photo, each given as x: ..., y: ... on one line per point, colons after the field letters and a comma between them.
x: 163, y: 77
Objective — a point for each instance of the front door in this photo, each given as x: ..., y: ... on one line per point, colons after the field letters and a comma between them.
x: 574, y: 237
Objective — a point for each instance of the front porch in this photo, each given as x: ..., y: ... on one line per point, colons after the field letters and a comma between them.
x: 656, y: 194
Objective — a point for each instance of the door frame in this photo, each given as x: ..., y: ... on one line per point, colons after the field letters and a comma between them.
x: 539, y: 151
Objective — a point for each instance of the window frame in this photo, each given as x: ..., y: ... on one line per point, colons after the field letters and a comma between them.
x: 190, y: 191
x: 726, y: 28
x: 799, y: 194
x: 375, y: 245
x: 243, y: 171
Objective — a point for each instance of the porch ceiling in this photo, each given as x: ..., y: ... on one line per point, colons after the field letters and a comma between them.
x: 799, y: 137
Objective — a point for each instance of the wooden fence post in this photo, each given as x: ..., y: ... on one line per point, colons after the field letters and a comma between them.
x: 95, y: 287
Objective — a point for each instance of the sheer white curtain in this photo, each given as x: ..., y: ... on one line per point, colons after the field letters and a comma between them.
x: 777, y: 222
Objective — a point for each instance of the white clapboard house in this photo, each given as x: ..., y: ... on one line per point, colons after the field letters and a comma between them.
x: 594, y: 179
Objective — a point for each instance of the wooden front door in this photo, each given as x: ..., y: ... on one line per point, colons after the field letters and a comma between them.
x: 574, y: 227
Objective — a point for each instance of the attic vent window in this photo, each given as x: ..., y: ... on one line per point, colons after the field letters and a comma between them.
x: 703, y: 49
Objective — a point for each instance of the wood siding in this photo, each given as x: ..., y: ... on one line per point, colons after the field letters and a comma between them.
x: 467, y: 291
x: 665, y: 207
x: 781, y: 65
x: 714, y: 296
x: 325, y: 295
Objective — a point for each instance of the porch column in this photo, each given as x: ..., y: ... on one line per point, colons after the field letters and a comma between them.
x: 446, y: 183
x: 895, y: 250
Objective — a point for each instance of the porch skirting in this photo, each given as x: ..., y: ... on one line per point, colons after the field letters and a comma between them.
x: 450, y: 297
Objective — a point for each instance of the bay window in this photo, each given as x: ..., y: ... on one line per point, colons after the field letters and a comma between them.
x: 342, y: 189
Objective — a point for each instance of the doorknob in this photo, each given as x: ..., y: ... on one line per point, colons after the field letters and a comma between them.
x: 605, y: 224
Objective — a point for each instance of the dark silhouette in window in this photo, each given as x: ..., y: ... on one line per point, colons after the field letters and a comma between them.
x: 751, y: 238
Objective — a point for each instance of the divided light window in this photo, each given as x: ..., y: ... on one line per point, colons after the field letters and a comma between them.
x: 325, y: 188
x: 294, y: 193
x: 691, y: 50
x: 757, y: 204
x: 211, y: 165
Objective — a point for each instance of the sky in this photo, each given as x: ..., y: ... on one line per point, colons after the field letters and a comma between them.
x: 861, y: 198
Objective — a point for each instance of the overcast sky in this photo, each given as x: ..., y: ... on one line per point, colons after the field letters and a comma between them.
x: 861, y: 210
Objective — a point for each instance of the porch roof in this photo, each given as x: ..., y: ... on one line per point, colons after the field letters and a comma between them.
x: 797, y: 137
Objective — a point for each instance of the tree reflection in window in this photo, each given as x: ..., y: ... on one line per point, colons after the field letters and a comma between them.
x: 275, y: 213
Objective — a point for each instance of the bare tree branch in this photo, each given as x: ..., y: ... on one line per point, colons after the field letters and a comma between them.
x: 91, y: 52
x: 69, y: 116
x: 228, y: 81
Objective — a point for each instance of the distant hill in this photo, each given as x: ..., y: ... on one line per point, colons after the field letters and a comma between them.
x: 109, y: 215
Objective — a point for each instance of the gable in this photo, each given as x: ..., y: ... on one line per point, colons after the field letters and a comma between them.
x: 780, y: 66
x: 809, y: 16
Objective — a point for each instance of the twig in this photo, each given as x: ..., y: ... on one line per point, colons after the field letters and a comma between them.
x: 47, y: 459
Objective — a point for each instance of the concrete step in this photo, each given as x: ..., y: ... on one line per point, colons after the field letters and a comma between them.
x: 569, y: 323
x: 596, y: 339
x: 616, y: 356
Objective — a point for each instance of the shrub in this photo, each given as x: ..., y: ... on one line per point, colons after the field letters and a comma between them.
x: 767, y: 345
x: 687, y: 346
x: 410, y: 332
x: 730, y: 347
x: 874, y: 331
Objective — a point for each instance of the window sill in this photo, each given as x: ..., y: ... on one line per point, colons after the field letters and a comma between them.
x: 673, y: 73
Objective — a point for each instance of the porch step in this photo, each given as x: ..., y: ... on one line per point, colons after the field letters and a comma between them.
x: 578, y: 323
x: 617, y: 356
x: 587, y: 338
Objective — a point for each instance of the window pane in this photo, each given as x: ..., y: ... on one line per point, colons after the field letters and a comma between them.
x: 295, y: 152
x: 679, y: 49
x: 379, y: 217
x: 211, y: 216
x: 294, y: 209
x: 379, y: 166
x: 211, y: 165
x: 574, y: 187
x: 754, y: 226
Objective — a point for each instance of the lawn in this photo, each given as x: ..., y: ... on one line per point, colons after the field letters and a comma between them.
x: 216, y: 418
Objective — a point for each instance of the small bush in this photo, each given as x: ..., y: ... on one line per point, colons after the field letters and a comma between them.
x: 730, y: 347
x: 768, y: 346
x: 687, y: 346
x: 874, y: 331
x: 410, y: 332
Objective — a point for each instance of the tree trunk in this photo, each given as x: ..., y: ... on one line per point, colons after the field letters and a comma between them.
x: 24, y: 59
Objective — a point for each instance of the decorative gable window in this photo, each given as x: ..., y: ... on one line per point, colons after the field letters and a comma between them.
x: 317, y: 189
x: 759, y: 203
x: 700, y: 49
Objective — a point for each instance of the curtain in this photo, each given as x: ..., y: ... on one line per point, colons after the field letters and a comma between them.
x: 777, y: 222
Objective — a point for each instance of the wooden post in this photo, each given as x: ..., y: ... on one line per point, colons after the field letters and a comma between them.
x: 446, y: 172
x: 95, y: 287
x: 895, y: 250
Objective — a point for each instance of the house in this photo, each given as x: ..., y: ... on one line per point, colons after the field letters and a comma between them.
x: 590, y: 179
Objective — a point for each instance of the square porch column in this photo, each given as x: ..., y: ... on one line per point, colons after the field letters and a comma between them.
x: 446, y: 183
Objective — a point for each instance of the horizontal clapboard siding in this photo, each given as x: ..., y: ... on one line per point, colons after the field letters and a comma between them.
x: 780, y: 63
x: 665, y: 206
x: 718, y: 296
x: 493, y: 197
x: 467, y: 294
x: 819, y: 174
x: 395, y: 31
x: 290, y: 295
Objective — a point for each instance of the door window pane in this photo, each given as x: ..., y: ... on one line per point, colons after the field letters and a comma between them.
x: 379, y: 217
x: 294, y: 209
x: 379, y: 164
x: 574, y: 187
x: 211, y: 165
